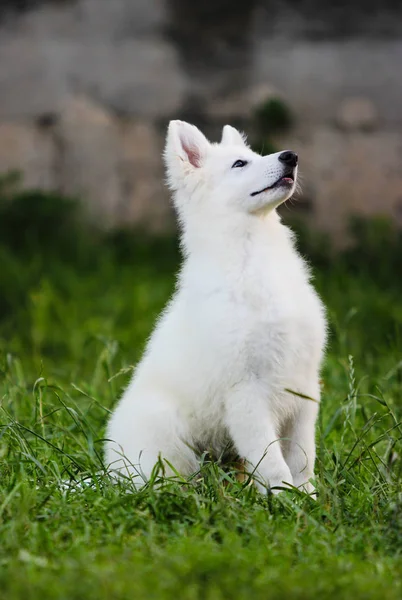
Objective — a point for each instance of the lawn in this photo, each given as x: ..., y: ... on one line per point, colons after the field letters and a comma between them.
x: 75, y: 311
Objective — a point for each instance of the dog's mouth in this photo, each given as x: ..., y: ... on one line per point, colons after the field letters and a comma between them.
x: 286, y: 180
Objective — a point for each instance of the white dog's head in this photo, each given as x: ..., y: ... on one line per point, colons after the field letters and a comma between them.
x: 218, y: 178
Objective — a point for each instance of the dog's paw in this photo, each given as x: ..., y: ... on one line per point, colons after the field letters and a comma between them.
x: 275, y: 483
x: 307, y: 487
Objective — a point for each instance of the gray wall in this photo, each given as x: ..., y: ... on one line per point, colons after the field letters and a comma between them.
x: 87, y: 87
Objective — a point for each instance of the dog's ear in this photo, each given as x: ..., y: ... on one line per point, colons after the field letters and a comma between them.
x: 232, y: 137
x: 185, y: 151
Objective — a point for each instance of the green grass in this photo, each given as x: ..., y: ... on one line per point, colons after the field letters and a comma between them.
x: 72, y: 325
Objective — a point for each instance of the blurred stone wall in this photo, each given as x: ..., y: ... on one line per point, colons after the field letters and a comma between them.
x: 88, y: 86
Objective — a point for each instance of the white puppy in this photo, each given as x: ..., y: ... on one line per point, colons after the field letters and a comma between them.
x: 235, y: 356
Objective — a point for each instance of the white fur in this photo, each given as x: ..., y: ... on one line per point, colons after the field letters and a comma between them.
x: 243, y: 327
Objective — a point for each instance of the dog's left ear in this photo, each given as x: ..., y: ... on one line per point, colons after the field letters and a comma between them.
x: 232, y: 137
x: 185, y: 151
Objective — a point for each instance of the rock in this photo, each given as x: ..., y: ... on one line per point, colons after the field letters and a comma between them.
x: 229, y: 108
x: 261, y: 93
x: 357, y: 114
x: 348, y: 175
x: 29, y: 150
x: 113, y: 165
x: 89, y: 162
x: 241, y: 104
x: 140, y: 144
x: 114, y: 50
x: 145, y: 196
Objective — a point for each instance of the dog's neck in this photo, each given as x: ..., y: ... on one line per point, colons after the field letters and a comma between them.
x: 228, y: 241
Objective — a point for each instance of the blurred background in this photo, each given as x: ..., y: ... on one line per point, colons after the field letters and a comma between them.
x: 87, y: 235
x: 88, y: 86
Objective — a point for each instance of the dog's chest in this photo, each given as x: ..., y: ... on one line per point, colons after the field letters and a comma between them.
x: 278, y: 317
x: 263, y: 322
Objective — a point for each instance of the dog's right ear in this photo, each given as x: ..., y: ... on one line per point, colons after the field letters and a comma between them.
x: 185, y: 151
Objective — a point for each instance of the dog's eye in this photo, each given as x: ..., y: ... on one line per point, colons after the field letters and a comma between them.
x: 238, y: 164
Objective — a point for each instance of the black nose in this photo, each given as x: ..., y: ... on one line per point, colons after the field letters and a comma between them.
x: 289, y: 158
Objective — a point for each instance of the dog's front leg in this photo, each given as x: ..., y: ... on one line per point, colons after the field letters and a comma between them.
x: 252, y: 428
x: 300, y: 446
